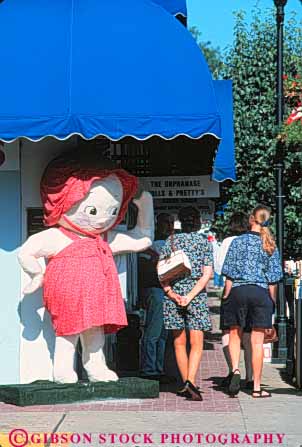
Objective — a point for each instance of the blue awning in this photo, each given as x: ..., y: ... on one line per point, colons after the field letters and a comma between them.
x: 224, y: 165
x: 112, y: 67
x: 175, y: 7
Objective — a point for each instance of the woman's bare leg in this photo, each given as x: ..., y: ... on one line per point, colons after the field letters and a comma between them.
x: 180, y: 347
x: 235, y: 346
x: 196, y: 344
x: 257, y: 338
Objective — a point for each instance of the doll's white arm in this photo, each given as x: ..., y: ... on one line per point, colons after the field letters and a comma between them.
x: 141, y: 237
x: 40, y: 245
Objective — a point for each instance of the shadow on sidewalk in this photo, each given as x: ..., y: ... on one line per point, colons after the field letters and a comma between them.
x: 290, y: 391
x: 285, y: 391
x: 285, y: 376
x: 278, y: 391
x: 217, y: 384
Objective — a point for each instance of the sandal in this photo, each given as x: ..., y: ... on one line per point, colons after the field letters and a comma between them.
x: 234, y: 386
x: 260, y: 395
x: 195, y: 393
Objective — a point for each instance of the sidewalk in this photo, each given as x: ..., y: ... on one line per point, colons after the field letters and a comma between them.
x: 218, y: 413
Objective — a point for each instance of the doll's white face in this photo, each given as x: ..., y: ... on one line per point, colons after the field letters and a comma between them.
x: 99, y: 210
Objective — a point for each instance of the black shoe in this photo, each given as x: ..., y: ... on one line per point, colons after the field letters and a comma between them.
x: 226, y: 381
x: 195, y: 393
x: 183, y: 391
x: 234, y: 386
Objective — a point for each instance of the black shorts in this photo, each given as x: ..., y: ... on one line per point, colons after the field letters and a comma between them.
x: 248, y: 306
x: 224, y: 327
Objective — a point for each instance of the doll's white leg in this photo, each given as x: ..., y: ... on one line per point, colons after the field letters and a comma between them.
x: 64, y: 359
x: 93, y: 358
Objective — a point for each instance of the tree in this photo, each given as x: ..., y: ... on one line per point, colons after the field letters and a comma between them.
x: 251, y: 64
x: 212, y: 55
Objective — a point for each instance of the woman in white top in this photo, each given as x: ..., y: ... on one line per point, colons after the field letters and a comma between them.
x: 222, y: 251
x: 239, y: 224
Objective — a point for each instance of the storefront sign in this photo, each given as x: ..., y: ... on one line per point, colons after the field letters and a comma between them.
x: 186, y: 187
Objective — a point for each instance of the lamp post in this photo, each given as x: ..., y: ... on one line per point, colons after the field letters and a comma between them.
x: 281, y: 319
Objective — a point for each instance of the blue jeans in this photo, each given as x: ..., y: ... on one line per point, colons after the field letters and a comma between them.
x: 155, y: 335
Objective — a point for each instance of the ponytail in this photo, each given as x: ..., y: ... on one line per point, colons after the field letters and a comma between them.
x: 261, y: 215
x: 268, y: 242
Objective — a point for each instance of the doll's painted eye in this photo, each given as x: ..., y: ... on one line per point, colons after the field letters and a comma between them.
x: 114, y: 212
x: 91, y: 210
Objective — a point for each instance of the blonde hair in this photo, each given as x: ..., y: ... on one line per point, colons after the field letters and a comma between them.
x: 261, y: 215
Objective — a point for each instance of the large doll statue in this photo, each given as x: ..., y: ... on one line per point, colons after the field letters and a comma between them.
x: 82, y: 205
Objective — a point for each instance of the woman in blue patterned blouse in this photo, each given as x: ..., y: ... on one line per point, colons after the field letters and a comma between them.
x: 185, y: 304
x: 253, y: 269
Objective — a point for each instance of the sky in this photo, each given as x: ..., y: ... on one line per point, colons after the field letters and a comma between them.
x: 214, y: 18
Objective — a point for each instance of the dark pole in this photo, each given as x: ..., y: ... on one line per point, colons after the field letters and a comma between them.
x: 281, y: 319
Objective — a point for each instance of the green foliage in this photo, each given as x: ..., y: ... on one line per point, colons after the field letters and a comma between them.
x: 251, y: 64
x: 292, y: 134
x: 212, y: 55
